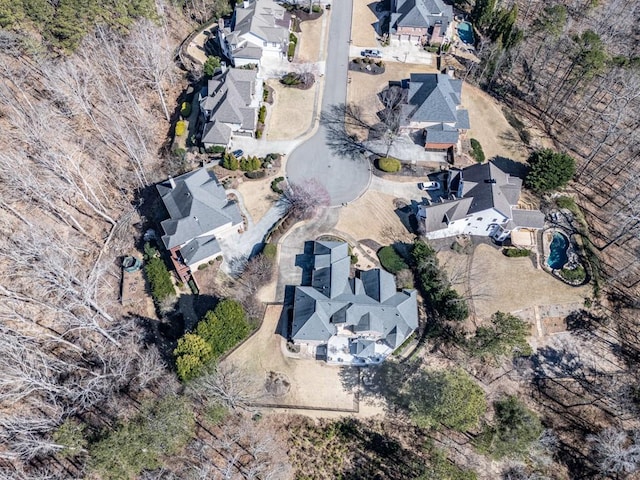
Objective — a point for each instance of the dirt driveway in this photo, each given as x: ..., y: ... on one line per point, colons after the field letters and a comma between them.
x: 511, y: 284
x: 311, y: 383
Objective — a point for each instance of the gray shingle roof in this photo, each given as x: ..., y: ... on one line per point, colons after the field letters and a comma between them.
x: 369, y: 304
x: 197, y: 204
x: 434, y: 97
x: 216, y: 133
x: 441, y: 133
x: 421, y: 13
x: 199, y: 249
x: 265, y: 19
x: 228, y: 100
x: 484, y: 186
x: 439, y: 214
x: 527, y: 218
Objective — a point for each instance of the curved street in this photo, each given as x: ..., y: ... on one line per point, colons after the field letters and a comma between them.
x: 345, y: 179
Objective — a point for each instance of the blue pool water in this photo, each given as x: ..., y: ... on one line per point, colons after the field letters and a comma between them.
x: 465, y: 32
x: 558, y: 251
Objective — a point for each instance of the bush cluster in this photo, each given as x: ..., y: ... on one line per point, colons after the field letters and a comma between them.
x: 574, y: 275
x: 158, y: 275
x: 434, y: 284
x: 218, y: 332
x: 181, y: 128
x: 389, y: 164
x: 516, y: 252
x: 390, y: 260
x: 262, y: 114
x: 216, y: 149
x: 476, y: 151
x: 549, y: 170
x: 256, y: 174
x: 185, y: 109
x: 293, y: 41
x: 275, y: 185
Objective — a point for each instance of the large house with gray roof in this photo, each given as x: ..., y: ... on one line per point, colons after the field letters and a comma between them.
x: 199, y: 212
x: 478, y: 200
x: 350, y: 320
x: 432, y: 113
x: 229, y: 106
x: 421, y: 21
x: 258, y: 31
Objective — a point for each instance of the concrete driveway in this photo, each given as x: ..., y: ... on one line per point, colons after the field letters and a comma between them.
x: 344, y: 178
x: 405, y: 52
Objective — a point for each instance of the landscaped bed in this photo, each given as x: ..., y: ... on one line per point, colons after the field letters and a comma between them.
x: 367, y: 65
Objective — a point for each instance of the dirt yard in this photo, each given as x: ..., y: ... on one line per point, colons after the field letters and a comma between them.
x: 257, y: 196
x: 310, y: 383
x: 489, y: 126
x: 363, y: 23
x: 292, y: 111
x: 512, y: 284
x: 373, y: 216
x: 309, y: 40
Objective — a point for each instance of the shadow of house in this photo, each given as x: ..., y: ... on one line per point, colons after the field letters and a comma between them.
x: 513, y: 168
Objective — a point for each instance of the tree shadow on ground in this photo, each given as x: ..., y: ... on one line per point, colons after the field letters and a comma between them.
x: 507, y: 165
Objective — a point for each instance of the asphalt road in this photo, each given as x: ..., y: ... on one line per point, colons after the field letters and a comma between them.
x: 345, y: 179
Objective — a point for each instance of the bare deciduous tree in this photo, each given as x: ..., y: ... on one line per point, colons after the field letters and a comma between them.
x: 616, y: 451
x: 303, y: 200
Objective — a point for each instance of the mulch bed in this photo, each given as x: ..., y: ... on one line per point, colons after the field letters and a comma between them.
x: 306, y: 81
x: 370, y: 68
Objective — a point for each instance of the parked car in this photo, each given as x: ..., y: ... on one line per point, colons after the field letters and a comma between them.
x: 429, y: 185
x: 238, y: 153
x: 371, y: 53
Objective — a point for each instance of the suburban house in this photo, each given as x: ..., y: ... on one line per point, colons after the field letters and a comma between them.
x: 421, y: 21
x: 432, y: 113
x: 199, y: 211
x: 229, y: 106
x: 478, y: 200
x: 258, y: 30
x: 350, y: 320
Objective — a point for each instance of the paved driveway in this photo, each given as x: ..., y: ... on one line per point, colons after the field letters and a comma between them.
x: 344, y: 178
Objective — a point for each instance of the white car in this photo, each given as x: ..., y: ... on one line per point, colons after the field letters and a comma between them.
x: 429, y: 185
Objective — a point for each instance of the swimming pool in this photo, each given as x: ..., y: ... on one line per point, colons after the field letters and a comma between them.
x: 558, y: 251
x: 465, y: 32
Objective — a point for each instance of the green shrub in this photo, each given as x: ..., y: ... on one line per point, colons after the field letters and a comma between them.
x: 353, y: 258
x: 161, y: 428
x: 290, y: 79
x: 216, y: 149
x: 192, y: 354
x: 224, y: 327
x: 256, y: 174
x: 549, y: 170
x: 211, y: 65
x: 476, y: 151
x: 265, y: 94
x: 185, y: 109
x: 566, y: 202
x: 202, y: 266
x: 159, y: 279
x: 390, y: 260
x: 193, y: 287
x: 316, y: 9
x: 270, y: 250
x: 262, y: 114
x: 290, y: 53
x: 230, y: 162
x: 516, y: 252
x: 516, y: 429
x: 389, y: 164
x: 432, y: 48
x: 181, y: 128
x: 259, y: 133
x: 574, y: 275
x: 293, y: 38
x: 70, y: 435
x: 275, y: 185
x: 250, y: 164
